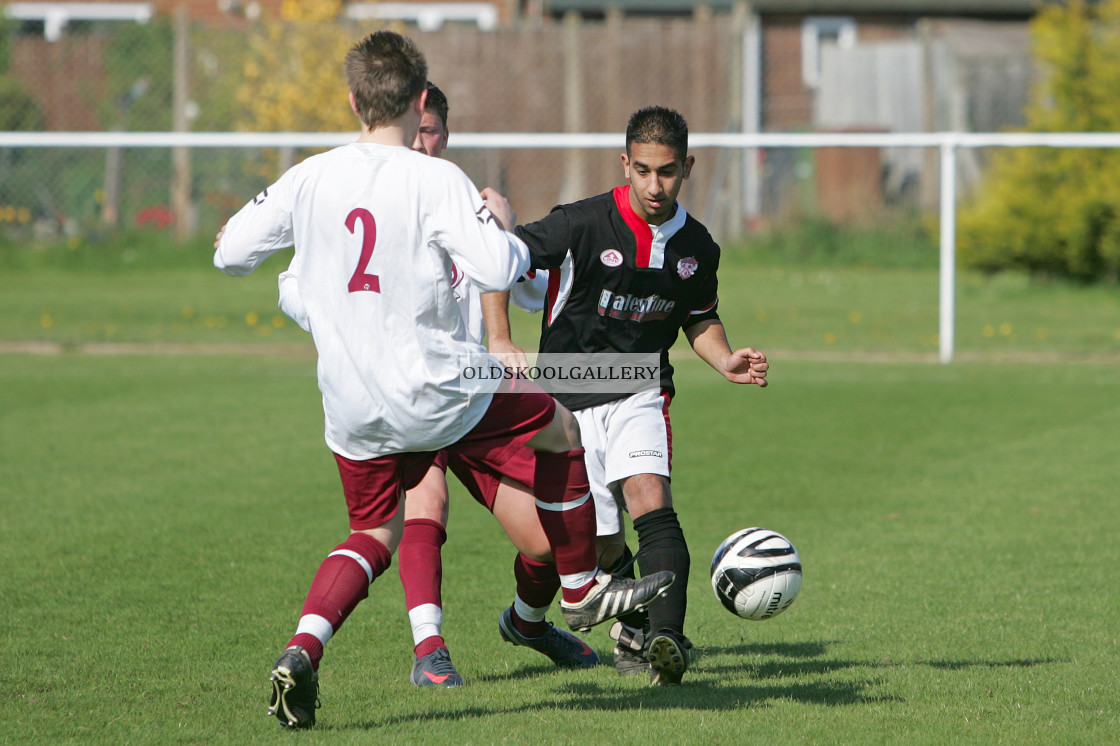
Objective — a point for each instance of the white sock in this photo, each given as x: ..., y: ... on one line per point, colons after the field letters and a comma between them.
x: 426, y: 620
x: 529, y: 613
x: 317, y: 626
x: 578, y: 580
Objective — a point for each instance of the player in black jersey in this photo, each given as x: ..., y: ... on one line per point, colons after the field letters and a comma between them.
x: 628, y: 271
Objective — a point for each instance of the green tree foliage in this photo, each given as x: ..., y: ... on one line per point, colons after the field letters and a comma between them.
x: 1057, y: 211
x: 293, y: 76
x: 18, y: 110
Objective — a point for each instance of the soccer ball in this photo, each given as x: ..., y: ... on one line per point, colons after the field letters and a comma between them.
x: 756, y: 573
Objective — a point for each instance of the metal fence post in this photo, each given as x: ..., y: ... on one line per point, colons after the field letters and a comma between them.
x: 948, y: 245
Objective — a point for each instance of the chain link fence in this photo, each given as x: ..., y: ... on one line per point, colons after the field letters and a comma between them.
x: 173, y: 73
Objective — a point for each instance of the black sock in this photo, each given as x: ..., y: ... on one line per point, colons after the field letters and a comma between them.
x: 624, y: 567
x: 661, y: 546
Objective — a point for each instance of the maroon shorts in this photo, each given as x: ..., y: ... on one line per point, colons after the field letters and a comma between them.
x: 482, y: 480
x: 373, y: 487
x: 494, y: 448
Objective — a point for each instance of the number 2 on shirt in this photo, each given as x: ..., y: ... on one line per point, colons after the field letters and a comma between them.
x: 360, y: 280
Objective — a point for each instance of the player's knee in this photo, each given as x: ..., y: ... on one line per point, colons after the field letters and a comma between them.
x: 430, y: 504
x: 561, y: 435
x: 387, y: 534
x: 646, y: 492
x: 571, y: 427
x: 537, y: 551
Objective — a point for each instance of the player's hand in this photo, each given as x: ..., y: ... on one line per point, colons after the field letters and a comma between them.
x: 218, y: 239
x: 510, y: 355
x: 746, y: 365
x: 500, y: 208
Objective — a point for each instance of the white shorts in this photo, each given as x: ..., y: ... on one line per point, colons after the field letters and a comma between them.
x: 620, y: 439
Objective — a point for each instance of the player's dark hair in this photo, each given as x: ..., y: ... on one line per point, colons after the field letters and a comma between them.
x: 386, y: 72
x: 658, y: 125
x: 437, y: 103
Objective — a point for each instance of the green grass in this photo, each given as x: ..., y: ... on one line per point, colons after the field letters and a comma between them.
x: 162, y: 516
x: 823, y: 311
x: 893, y: 241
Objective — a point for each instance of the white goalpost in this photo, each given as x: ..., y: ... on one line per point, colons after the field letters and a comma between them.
x: 947, y: 143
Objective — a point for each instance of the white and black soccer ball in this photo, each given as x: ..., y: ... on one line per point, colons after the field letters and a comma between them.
x: 756, y: 573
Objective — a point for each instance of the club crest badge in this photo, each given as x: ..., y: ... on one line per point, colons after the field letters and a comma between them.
x: 611, y: 258
x: 687, y: 267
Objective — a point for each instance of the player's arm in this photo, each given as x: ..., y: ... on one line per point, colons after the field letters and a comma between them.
x: 531, y: 291
x: 256, y: 232
x: 291, y: 302
x: 474, y: 238
x: 549, y: 239
x: 495, y: 306
x: 745, y: 365
x: 500, y: 208
x: 495, y: 315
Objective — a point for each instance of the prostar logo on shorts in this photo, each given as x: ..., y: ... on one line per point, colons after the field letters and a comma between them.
x: 611, y: 258
x: 687, y: 267
x: 644, y: 454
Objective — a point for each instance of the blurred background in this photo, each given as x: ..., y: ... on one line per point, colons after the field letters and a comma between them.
x: 580, y: 66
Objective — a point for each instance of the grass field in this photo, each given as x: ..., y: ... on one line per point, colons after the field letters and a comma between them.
x: 824, y: 311
x: 162, y: 515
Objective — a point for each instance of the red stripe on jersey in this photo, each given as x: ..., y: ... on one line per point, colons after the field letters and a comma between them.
x: 643, y: 236
x: 668, y: 428
x: 551, y: 294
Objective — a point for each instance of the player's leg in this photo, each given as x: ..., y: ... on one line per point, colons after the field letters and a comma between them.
x: 661, y: 546
x: 561, y: 487
x: 513, y: 504
x: 525, y: 621
x: 372, y: 489
x: 630, y: 632
x: 420, y: 564
x: 525, y: 415
x: 615, y: 556
x: 639, y: 449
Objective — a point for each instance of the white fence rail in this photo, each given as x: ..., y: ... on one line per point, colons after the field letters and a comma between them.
x: 946, y: 142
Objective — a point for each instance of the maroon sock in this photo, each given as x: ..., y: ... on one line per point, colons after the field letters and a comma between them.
x: 568, y: 517
x: 528, y: 629
x: 420, y: 563
x: 340, y: 584
x: 428, y: 644
x: 311, y: 645
x: 537, y: 583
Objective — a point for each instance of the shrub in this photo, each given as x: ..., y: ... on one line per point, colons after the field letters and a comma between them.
x: 1057, y: 211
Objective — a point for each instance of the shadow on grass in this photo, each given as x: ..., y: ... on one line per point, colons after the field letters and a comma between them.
x: 958, y: 665
x: 701, y: 695
x: 807, y: 659
x: 535, y: 670
x: 711, y: 687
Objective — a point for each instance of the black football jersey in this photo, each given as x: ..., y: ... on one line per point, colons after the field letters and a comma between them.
x: 617, y: 284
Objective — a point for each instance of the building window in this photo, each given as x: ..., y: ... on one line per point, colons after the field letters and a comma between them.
x: 817, y: 31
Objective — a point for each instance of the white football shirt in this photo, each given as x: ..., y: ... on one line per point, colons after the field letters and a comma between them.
x: 469, y: 300
x: 377, y: 230
x: 470, y: 304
